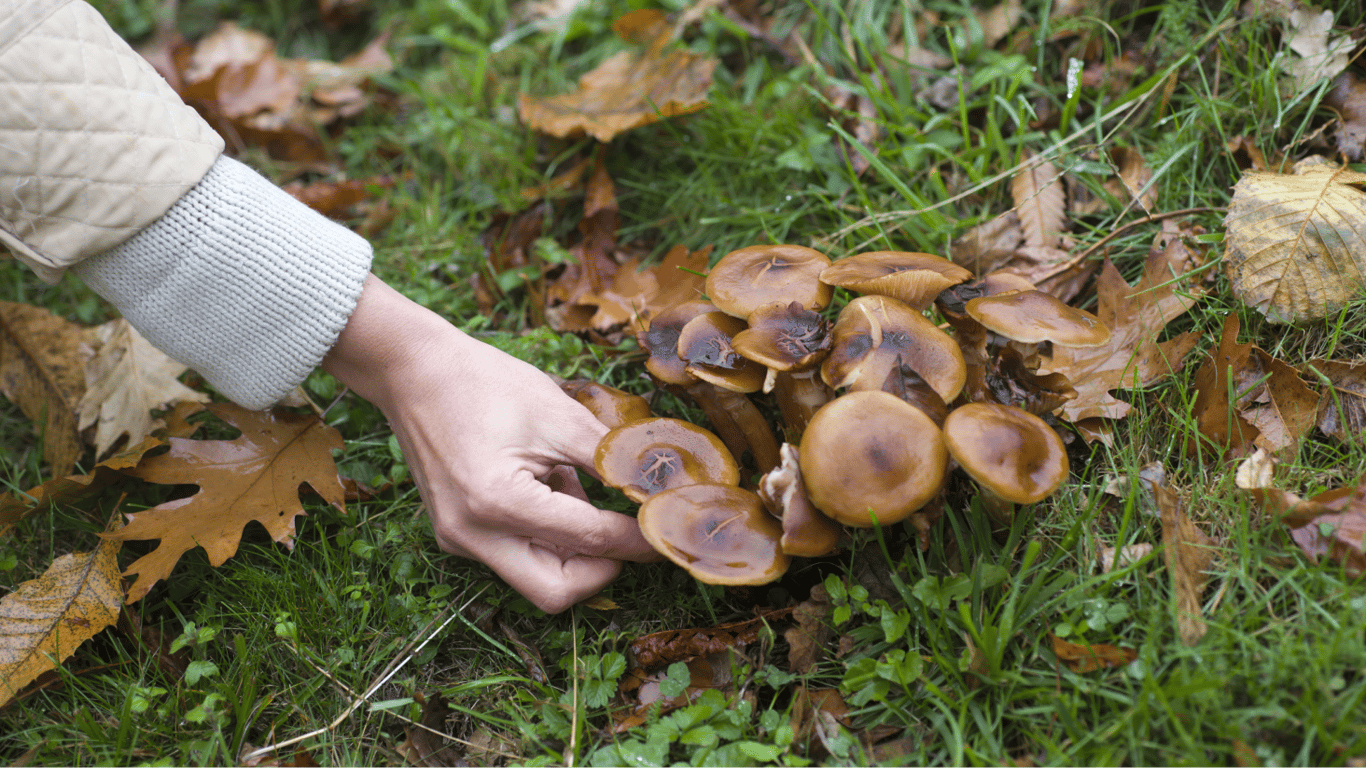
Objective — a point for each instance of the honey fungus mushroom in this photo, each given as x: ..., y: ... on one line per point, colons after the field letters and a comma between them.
x: 647, y: 456
x: 912, y: 278
x: 1033, y: 317
x: 719, y: 533
x: 872, y: 332
x: 791, y: 342
x: 612, y: 406
x: 748, y: 278
x: 806, y: 531
x: 1014, y: 456
x: 871, y: 452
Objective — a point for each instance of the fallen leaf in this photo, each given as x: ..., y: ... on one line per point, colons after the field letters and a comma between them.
x: 1247, y: 154
x: 1294, y: 243
x: 1134, y: 178
x: 1331, y: 524
x: 125, y: 381
x: 42, y: 370
x: 344, y: 199
x: 1343, y: 413
x: 72, y: 488
x: 988, y: 245
x: 1136, y: 315
x: 1040, y: 202
x: 425, y: 745
x: 628, y: 90
x: 997, y: 21
x: 43, y: 621
x: 1122, y: 557
x: 806, y: 642
x: 254, y: 477
x: 1189, y: 554
x: 1348, y: 97
x: 1089, y: 658
x: 1273, y: 408
x: 663, y: 648
x: 1321, y: 53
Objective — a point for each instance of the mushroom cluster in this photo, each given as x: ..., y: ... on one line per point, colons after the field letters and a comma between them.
x: 877, y: 408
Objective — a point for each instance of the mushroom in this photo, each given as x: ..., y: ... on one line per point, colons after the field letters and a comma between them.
x: 610, y: 405
x: 1014, y: 456
x: 719, y: 533
x: 912, y: 278
x: 706, y: 344
x: 806, y: 532
x: 791, y: 341
x: 869, y: 454
x: 647, y: 456
x: 873, y: 331
x: 746, y: 279
x: 1034, y: 317
x: 910, y: 386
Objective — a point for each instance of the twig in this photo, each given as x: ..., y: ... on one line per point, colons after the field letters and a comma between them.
x: 406, y: 654
x: 1086, y: 254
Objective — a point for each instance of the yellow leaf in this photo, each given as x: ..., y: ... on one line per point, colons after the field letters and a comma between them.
x: 125, y: 380
x: 44, y: 620
x: 1294, y: 245
x: 42, y: 360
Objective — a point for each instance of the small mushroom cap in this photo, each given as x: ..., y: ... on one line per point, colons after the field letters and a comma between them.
x: 913, y: 278
x: 1034, y: 316
x: 1014, y: 454
x: 873, y: 331
x: 707, y: 344
x: 660, y: 340
x: 719, y: 533
x: 871, y: 451
x: 744, y: 280
x: 806, y: 531
x: 610, y: 405
x: 785, y: 337
x: 647, y: 456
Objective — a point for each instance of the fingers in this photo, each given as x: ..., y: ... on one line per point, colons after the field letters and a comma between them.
x: 550, y: 583
x: 570, y: 523
x: 563, y: 479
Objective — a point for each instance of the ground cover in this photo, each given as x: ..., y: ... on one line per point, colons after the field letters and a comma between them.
x: 1131, y: 618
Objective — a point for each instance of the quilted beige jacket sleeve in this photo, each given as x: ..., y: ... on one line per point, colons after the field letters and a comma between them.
x: 94, y: 145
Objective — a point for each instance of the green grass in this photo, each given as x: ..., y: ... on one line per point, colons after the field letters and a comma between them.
x: 296, y: 636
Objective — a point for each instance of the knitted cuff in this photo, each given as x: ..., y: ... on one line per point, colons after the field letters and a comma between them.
x: 239, y: 281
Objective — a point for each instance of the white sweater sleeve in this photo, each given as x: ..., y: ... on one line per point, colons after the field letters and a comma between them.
x: 239, y: 281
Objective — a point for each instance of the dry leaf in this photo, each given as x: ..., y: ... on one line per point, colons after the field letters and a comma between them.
x: 1134, y: 178
x: 1189, y: 555
x: 626, y: 91
x: 73, y: 488
x: 1294, y: 243
x: 125, y: 381
x: 425, y: 746
x: 42, y: 370
x: 663, y: 648
x: 1040, y: 202
x: 1089, y: 658
x: 988, y: 245
x: 1273, y: 408
x: 254, y: 477
x: 44, y: 620
x: 1348, y: 97
x: 998, y: 21
x: 807, y: 641
x: 1331, y: 524
x: 1122, y: 557
x: 1321, y: 53
x: 1343, y: 412
x: 1136, y: 316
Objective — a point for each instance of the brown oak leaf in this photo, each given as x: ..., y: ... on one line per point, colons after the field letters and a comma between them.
x: 256, y: 476
x: 42, y: 369
x: 1136, y: 316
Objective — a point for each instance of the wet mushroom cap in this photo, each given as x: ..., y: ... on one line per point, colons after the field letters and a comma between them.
x: 744, y: 280
x: 719, y: 533
x: 647, y: 456
x: 807, y: 532
x: 707, y: 344
x: 784, y: 337
x: 1034, y: 317
x: 660, y: 340
x: 610, y: 405
x: 873, y: 331
x: 871, y: 451
x: 913, y: 278
x: 1010, y: 452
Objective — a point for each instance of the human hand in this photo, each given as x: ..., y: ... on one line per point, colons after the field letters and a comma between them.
x: 491, y: 443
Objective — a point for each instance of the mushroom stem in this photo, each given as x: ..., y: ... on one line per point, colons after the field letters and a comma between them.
x: 738, y: 423
x: 800, y: 395
x: 1001, y: 510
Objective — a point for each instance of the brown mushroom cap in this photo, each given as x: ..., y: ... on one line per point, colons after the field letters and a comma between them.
x: 806, y: 531
x: 651, y: 455
x: 1034, y: 317
x: 749, y: 278
x: 1011, y: 453
x: 871, y: 451
x: 913, y: 278
x: 872, y: 331
x: 660, y: 340
x: 707, y: 344
x: 785, y: 337
x: 719, y: 533
x: 610, y: 405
